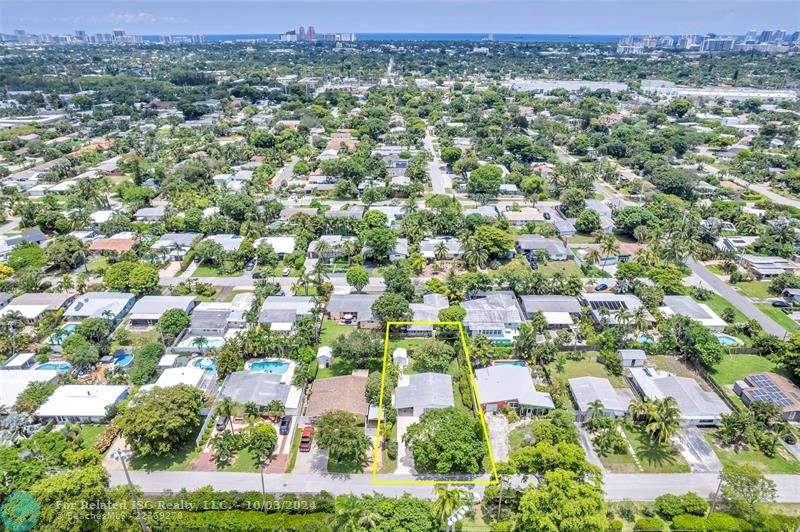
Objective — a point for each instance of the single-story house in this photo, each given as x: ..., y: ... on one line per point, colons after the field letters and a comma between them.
x: 112, y: 245
x: 110, y: 305
x: 599, y: 207
x: 209, y: 321
x: 149, y: 309
x: 734, y: 243
x: 697, y: 406
x: 771, y: 387
x: 175, y: 246
x: 428, y: 310
x: 511, y: 385
x: 559, y: 311
x: 495, y: 315
x: 283, y: 245
x: 419, y: 392
x: 334, y: 243
x: 523, y: 216
x: 188, y: 375
x: 339, y: 393
x: 394, y: 213
x: 632, y: 358
x: 606, y: 306
x: 34, y: 306
x: 586, y: 390
x: 229, y: 243
x: 150, y: 214
x: 699, y: 312
x: 555, y: 248
x: 353, y: 212
x: 428, y: 247
x: 566, y: 227
x: 262, y: 388
x: 765, y: 267
x: 81, y: 403
x: 20, y: 361
x: 13, y: 383
x: 353, y: 308
x: 290, y: 212
x: 282, y: 312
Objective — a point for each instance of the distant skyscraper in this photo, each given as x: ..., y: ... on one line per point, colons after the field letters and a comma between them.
x: 765, y: 36
x: 119, y: 35
x: 312, y: 33
x: 80, y: 35
x: 301, y: 34
x: 751, y: 36
x: 719, y: 44
x: 778, y: 36
x: 795, y: 38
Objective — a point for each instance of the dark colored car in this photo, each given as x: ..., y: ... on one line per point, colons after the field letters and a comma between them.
x: 306, y: 438
x: 258, y: 275
x: 249, y: 266
x: 601, y: 287
x: 286, y: 422
x: 781, y: 304
x: 222, y: 422
x: 546, y: 215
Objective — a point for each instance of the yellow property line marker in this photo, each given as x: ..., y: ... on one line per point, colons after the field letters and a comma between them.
x: 474, y: 386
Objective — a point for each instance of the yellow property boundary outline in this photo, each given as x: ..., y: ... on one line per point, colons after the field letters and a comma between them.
x: 473, y: 385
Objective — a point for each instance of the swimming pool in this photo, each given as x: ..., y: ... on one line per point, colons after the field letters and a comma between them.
x: 211, y: 343
x: 124, y: 361
x: 642, y: 338
x: 61, y: 367
x: 58, y: 337
x: 511, y: 363
x: 502, y: 341
x: 207, y: 363
x: 269, y: 366
x: 728, y: 340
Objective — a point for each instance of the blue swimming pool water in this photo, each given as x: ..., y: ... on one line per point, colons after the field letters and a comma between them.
x: 270, y: 366
x: 510, y: 363
x: 124, y: 360
x: 62, y: 334
x: 724, y: 339
x: 208, y: 364
x: 644, y: 339
x: 61, y: 367
x: 502, y: 341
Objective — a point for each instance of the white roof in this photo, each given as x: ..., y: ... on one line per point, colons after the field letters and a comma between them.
x: 13, y: 383
x: 167, y: 361
x: 81, y: 400
x: 18, y: 360
x: 400, y: 354
x: 281, y: 244
x: 29, y: 312
x: 693, y: 401
x: 94, y: 304
x: 190, y: 375
x: 558, y: 318
x: 509, y: 382
x: 153, y: 307
x: 588, y: 389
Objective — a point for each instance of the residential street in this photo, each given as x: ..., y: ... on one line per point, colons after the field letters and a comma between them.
x: 633, y: 486
x: 740, y: 302
x: 777, y: 198
x: 284, y: 174
x: 439, y: 178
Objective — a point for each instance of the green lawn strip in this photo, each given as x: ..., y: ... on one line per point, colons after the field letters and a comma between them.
x: 387, y: 464
x: 331, y: 330
x: 653, y: 457
x: 344, y: 466
x: 178, y: 460
x: 782, y: 463
x: 235, y: 293
x: 211, y: 271
x: 580, y: 238
x: 589, y: 367
x: 780, y: 317
x: 565, y: 267
x: 298, y: 432
x: 242, y: 463
x: 89, y: 433
x: 97, y: 265
x: 756, y: 289
x: 715, y: 269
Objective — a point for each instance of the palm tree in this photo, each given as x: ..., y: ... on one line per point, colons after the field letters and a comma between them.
x: 446, y: 503
x: 525, y: 342
x: 225, y: 408
x: 641, y: 410
x: 323, y: 250
x: 320, y: 272
x: 596, y: 408
x: 369, y: 519
x: 251, y: 410
x: 440, y: 252
x: 474, y: 254
x: 10, y: 322
x: 304, y: 282
x: 200, y: 342
x: 348, y: 513
x: 609, y: 247
x: 65, y: 284
x: 666, y: 420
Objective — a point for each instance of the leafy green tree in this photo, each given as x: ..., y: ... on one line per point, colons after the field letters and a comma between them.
x: 562, y: 504
x: 360, y: 347
x: 380, y: 241
x: 572, y: 201
x: 65, y: 252
x: 743, y: 488
x: 397, y: 278
x: 34, y: 395
x: 588, y: 221
x: 161, y: 420
x: 261, y: 441
x: 357, y: 277
x: 143, y: 279
x: 237, y: 206
x: 485, y: 181
x: 26, y: 255
x: 451, y: 154
x: 542, y: 457
x: 391, y: 307
x: 342, y: 433
x: 434, y: 356
x: 71, y: 497
x: 494, y: 240
x: 173, y: 321
x: 446, y: 440
x: 117, y: 275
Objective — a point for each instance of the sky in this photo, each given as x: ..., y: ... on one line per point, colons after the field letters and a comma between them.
x: 599, y: 17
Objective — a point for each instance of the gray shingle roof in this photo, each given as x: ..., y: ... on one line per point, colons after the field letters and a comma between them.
x: 425, y: 390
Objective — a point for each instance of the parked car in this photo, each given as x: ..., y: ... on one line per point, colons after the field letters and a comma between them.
x: 249, y: 266
x: 781, y: 304
x: 601, y: 287
x: 286, y: 272
x: 222, y: 421
x: 306, y: 438
x: 286, y: 422
x: 546, y: 215
x: 258, y: 275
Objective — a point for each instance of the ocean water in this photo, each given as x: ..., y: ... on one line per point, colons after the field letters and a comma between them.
x: 463, y: 37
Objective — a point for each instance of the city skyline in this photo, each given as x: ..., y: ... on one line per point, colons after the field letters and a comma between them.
x: 617, y: 17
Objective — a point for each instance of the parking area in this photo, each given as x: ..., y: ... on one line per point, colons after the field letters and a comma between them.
x: 405, y: 463
x: 499, y: 429
x: 314, y: 461
x: 697, y: 452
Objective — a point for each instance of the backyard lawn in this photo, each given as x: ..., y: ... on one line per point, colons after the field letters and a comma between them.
x: 779, y: 317
x: 735, y: 367
x: 565, y: 267
x: 675, y: 365
x: 756, y: 289
x: 590, y: 367
x: 331, y: 330
x: 387, y: 464
x: 784, y: 462
x: 89, y: 433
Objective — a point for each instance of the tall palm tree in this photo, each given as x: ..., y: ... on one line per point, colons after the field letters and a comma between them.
x: 11, y: 322
x: 200, y: 342
x: 304, y: 282
x: 369, y: 519
x: 525, y: 342
x: 440, y: 251
x: 320, y: 273
x: 348, y: 513
x: 446, y: 503
x: 474, y: 255
x: 596, y: 407
x: 666, y: 421
x: 323, y: 250
x: 225, y: 408
x: 609, y: 247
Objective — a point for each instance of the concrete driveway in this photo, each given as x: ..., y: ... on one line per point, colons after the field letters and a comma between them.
x: 314, y: 461
x: 498, y: 428
x: 696, y: 450
x: 405, y: 462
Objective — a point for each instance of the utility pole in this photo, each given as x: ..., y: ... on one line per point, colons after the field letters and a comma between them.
x: 122, y: 456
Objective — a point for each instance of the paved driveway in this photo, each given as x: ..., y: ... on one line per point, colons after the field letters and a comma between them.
x: 499, y: 429
x: 696, y: 450
x: 314, y: 461
x: 405, y: 463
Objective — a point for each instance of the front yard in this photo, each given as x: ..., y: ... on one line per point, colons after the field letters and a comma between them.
x: 654, y: 457
x: 564, y: 267
x: 782, y: 463
x: 756, y: 289
x: 780, y: 317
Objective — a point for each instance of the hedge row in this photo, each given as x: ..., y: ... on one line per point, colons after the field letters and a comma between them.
x: 239, y: 520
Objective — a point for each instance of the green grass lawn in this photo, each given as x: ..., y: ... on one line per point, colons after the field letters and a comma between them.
x: 715, y: 268
x: 205, y: 270
x: 581, y: 238
x: 178, y: 460
x: 138, y: 338
x: 590, y: 367
x: 298, y: 432
x: 305, y: 291
x: 99, y: 265
x: 784, y: 462
x: 387, y: 464
x: 344, y: 466
x: 779, y: 317
x: 331, y: 330
x: 756, y: 289
x: 675, y: 365
x: 566, y: 267
x: 235, y: 293
x: 243, y: 463
x: 89, y: 433
x: 655, y: 458
x: 718, y: 304
x: 521, y: 436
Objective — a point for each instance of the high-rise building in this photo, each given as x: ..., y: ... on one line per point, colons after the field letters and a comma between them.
x: 795, y: 38
x: 289, y: 36
x: 719, y: 44
x: 751, y: 36
x: 778, y: 36
x: 80, y: 35
x: 766, y: 36
x: 301, y: 34
x: 119, y: 35
x: 312, y: 33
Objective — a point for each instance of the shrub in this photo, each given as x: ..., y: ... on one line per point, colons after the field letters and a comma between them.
x: 616, y: 524
x: 721, y: 522
x: 671, y: 505
x: 106, y: 438
x: 648, y: 524
x: 391, y: 450
x: 688, y: 522
x: 627, y: 510
x: 313, y: 368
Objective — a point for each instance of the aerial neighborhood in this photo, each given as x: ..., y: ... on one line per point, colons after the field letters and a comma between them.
x: 333, y: 266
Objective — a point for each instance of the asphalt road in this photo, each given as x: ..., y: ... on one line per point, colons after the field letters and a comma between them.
x: 737, y: 300
x: 439, y: 178
x: 284, y: 174
x: 774, y: 197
